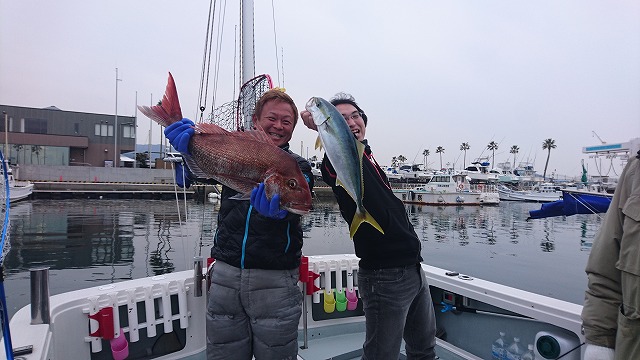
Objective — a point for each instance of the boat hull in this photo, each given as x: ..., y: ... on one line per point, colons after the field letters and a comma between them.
x: 463, y: 305
x: 459, y: 198
x: 17, y: 193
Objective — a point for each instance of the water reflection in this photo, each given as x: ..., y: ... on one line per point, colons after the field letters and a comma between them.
x: 92, y: 242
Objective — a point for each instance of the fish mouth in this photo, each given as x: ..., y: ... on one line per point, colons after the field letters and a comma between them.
x: 299, y: 209
x: 312, y: 102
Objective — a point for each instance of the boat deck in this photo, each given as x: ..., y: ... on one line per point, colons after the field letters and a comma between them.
x: 348, y: 347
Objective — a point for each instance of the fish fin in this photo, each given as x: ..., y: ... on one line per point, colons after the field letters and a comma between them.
x: 259, y: 134
x: 359, y: 218
x: 203, y: 128
x: 194, y: 167
x: 168, y: 111
x: 340, y: 183
x: 240, y: 196
x: 318, y: 143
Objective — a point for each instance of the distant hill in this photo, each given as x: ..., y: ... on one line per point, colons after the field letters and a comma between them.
x: 143, y: 148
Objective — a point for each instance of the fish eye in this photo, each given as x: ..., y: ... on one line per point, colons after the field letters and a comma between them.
x: 292, y: 183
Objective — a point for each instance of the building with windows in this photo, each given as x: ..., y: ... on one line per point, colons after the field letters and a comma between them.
x: 51, y: 136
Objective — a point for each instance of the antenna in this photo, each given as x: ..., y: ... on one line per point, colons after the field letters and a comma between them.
x: 596, y: 135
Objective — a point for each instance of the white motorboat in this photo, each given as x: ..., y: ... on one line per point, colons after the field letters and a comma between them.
x: 545, y: 192
x: 18, y: 190
x: 505, y: 174
x: 479, y: 172
x: 164, y: 317
x: 392, y: 174
x: 413, y: 173
x: 449, y: 189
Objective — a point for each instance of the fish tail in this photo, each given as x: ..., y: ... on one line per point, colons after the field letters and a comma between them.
x: 362, y: 217
x: 168, y: 111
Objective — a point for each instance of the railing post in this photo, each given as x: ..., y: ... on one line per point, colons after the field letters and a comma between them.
x: 40, y: 296
x: 197, y: 276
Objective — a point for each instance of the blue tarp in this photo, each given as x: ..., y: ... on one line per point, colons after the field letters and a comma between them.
x: 573, y: 203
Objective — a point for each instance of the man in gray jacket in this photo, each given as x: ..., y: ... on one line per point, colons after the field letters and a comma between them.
x: 611, y: 313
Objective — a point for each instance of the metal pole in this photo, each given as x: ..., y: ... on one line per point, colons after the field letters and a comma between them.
x: 115, y: 128
x: 305, y: 325
x: 135, y: 134
x: 197, y: 276
x: 6, y: 134
x: 40, y: 296
x: 247, y: 58
x: 150, y: 133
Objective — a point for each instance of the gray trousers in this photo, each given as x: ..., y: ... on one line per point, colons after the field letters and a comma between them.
x: 253, y: 312
x: 397, y: 305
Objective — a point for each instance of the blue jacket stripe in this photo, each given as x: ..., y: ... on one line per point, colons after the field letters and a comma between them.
x: 288, y: 237
x: 244, y: 239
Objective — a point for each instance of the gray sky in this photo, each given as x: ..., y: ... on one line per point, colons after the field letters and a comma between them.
x: 427, y: 73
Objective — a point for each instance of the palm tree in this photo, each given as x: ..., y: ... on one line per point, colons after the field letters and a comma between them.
x: 464, y: 147
x: 18, y: 148
x: 548, y: 144
x: 440, y: 150
x: 425, y: 153
x: 493, y: 146
x: 514, y: 150
x: 394, y: 161
x: 401, y: 158
x: 36, y: 149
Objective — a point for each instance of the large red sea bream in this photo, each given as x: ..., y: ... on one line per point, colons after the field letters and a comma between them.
x: 239, y: 160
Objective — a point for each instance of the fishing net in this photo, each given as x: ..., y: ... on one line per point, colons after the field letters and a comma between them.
x: 236, y: 115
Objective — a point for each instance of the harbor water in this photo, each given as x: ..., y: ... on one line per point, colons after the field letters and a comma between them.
x: 89, y: 243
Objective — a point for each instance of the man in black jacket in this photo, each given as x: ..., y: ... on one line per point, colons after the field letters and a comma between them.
x: 254, y: 302
x: 393, y: 287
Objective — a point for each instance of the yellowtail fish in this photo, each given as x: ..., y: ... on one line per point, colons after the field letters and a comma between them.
x: 345, y: 154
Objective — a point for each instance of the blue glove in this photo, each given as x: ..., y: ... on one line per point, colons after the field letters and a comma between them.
x: 266, y: 207
x: 183, y: 176
x: 179, y: 133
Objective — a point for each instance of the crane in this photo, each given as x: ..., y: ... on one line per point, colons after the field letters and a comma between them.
x: 596, y: 135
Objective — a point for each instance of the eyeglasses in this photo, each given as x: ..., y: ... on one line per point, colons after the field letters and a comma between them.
x: 353, y: 116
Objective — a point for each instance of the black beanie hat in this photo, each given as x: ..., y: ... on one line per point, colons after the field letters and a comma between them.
x: 344, y: 98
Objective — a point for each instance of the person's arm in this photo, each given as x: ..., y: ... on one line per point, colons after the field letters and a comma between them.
x: 608, y: 257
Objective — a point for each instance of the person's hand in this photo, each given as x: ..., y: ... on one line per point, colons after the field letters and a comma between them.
x: 183, y: 179
x: 308, y: 120
x: 595, y: 352
x: 179, y: 133
x: 266, y: 207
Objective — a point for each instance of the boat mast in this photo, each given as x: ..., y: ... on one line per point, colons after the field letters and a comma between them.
x: 247, y: 56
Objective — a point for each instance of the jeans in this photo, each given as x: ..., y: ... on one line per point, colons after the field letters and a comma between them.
x: 397, y: 305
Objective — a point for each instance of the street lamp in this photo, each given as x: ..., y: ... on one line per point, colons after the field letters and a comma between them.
x: 6, y: 134
x: 115, y: 128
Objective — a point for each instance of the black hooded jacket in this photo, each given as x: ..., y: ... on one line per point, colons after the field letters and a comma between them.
x: 248, y: 240
x: 399, y: 245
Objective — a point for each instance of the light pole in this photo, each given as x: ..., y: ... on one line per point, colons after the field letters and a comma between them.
x: 115, y: 127
x: 135, y: 135
x: 6, y: 134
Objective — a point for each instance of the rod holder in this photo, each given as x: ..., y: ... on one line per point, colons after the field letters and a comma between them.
x: 40, y: 296
x: 197, y: 276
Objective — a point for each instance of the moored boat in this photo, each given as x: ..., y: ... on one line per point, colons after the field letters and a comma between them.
x: 545, y: 192
x: 449, y: 189
x: 478, y: 172
x: 18, y: 190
